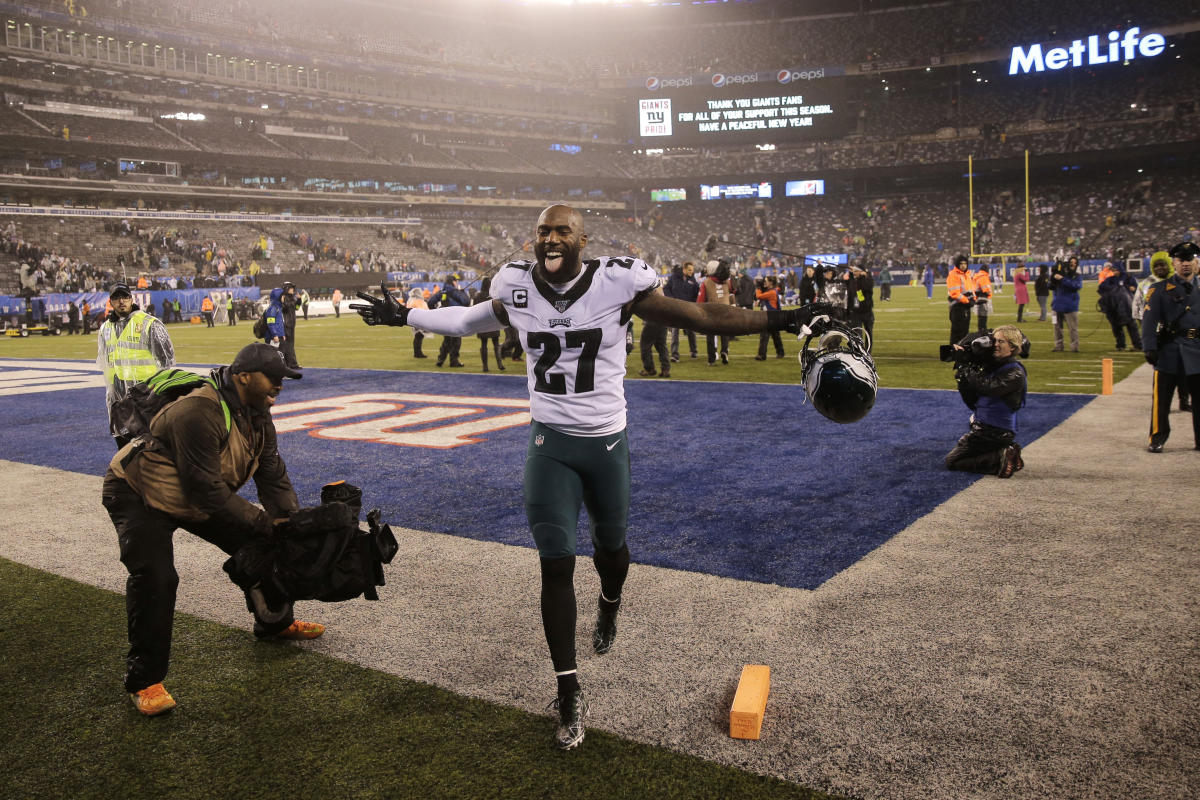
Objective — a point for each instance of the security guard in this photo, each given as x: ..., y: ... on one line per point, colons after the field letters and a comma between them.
x: 207, y: 309
x: 960, y: 289
x: 131, y: 346
x: 1171, y: 341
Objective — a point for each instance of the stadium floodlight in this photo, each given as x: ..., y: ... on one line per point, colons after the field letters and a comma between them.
x: 589, y: 2
x: 971, y: 212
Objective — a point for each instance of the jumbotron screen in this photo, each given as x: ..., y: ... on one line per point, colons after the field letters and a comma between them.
x: 698, y: 115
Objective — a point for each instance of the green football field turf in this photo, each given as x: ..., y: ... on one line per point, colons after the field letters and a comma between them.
x: 270, y: 720
x: 908, y: 331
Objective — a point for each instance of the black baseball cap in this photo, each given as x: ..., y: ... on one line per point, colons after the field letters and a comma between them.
x: 119, y: 289
x: 1185, y: 251
x: 262, y: 357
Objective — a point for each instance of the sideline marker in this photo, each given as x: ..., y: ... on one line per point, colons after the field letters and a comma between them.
x: 750, y: 702
x: 1106, y: 370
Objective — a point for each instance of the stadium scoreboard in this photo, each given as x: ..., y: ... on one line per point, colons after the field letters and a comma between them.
x: 742, y: 113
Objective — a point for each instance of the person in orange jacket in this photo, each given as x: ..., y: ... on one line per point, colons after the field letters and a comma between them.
x: 983, y: 295
x: 960, y: 289
x: 207, y: 308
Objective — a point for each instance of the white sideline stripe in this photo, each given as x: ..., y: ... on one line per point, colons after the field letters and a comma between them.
x: 83, y: 366
x: 47, y: 380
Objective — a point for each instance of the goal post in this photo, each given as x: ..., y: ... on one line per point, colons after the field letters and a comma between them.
x: 971, y: 212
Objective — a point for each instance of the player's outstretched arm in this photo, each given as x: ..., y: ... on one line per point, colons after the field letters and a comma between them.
x: 724, y: 320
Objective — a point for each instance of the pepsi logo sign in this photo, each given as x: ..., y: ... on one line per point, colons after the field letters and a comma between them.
x: 719, y: 79
x: 654, y: 83
x: 786, y: 76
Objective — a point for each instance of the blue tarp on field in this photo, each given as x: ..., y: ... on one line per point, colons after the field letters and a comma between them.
x: 738, y: 480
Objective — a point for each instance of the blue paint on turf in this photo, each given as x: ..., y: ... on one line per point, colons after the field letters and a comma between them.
x: 737, y: 480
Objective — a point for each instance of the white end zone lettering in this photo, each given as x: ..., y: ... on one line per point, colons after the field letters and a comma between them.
x: 19, y: 377
x: 410, y: 428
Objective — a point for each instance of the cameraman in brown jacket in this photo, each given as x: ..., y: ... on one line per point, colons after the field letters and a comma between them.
x: 186, y: 473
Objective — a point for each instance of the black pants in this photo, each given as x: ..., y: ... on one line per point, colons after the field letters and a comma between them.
x: 450, y: 348
x: 208, y: 319
x: 1165, y: 384
x: 980, y: 449
x: 493, y: 339
x: 288, y: 348
x: 654, y: 338
x: 145, y: 538
x: 232, y: 316
x: 960, y: 321
x: 691, y: 337
x: 885, y: 291
x: 1119, y: 327
x: 865, y: 320
x: 711, y: 347
x: 772, y: 336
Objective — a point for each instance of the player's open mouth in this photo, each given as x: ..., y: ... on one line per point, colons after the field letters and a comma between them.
x: 553, y: 258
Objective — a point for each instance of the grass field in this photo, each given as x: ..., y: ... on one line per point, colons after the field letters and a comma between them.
x: 908, y: 331
x: 267, y: 720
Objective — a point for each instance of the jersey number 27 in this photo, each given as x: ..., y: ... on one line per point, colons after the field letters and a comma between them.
x: 585, y: 372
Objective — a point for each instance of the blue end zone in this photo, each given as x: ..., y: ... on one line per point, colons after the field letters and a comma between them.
x: 737, y: 480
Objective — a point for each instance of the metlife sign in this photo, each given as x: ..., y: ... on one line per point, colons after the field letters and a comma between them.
x: 1093, y: 51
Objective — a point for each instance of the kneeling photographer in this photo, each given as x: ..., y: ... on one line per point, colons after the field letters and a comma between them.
x: 992, y: 383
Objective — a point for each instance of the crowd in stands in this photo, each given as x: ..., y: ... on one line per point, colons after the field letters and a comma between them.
x: 620, y: 42
x: 507, y: 130
x: 1110, y: 220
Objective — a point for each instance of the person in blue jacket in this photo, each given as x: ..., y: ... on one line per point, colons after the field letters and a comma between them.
x: 1066, y: 283
x: 1171, y: 341
x: 276, y: 335
x: 1116, y: 301
x: 928, y: 278
x: 450, y: 295
x: 993, y: 384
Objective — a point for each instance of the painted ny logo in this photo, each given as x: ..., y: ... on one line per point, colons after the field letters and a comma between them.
x: 424, y: 420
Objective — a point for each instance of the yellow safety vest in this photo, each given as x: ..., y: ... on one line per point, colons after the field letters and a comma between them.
x: 129, y: 359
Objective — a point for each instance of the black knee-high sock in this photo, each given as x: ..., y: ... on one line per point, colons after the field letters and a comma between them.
x: 558, y: 618
x: 612, y: 566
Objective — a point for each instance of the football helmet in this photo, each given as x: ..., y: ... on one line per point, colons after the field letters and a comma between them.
x: 839, y: 374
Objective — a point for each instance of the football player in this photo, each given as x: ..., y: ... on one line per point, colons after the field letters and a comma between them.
x: 571, y: 315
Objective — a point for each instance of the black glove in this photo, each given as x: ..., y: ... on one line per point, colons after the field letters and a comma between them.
x: 1151, y: 357
x: 385, y: 311
x: 793, y: 319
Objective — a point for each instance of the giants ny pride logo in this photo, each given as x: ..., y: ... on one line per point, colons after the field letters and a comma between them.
x: 654, y: 116
x: 409, y: 420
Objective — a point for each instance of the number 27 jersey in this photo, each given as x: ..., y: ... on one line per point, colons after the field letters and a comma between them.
x: 575, y: 340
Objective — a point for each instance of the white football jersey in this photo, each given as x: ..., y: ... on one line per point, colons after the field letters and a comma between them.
x: 575, y: 340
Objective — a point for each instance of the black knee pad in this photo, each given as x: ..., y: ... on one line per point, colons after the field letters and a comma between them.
x: 558, y: 570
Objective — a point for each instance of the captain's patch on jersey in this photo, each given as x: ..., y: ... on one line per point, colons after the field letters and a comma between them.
x: 520, y: 298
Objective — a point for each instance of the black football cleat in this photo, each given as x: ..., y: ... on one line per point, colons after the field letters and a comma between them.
x: 606, y: 626
x: 1008, y: 462
x: 1155, y: 447
x: 571, y: 708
